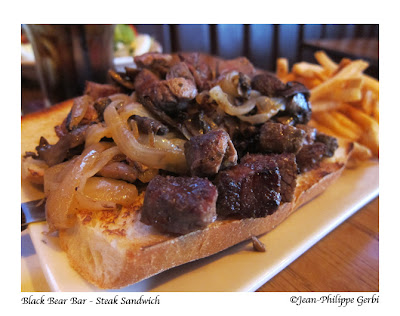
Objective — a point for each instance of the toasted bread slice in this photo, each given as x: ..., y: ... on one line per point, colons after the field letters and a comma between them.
x: 113, y: 249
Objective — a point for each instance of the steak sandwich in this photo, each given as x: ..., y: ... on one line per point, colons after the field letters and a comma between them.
x: 179, y: 158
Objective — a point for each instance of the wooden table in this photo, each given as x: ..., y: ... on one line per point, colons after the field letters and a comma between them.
x: 345, y: 260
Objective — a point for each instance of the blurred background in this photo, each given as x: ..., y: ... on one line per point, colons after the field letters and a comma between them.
x: 262, y: 44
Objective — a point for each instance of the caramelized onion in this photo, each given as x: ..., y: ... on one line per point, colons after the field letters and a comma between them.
x: 167, y: 159
x: 267, y: 108
x: 110, y: 190
x: 95, y: 133
x: 60, y: 210
x: 79, y: 109
x: 133, y: 108
x: 223, y: 101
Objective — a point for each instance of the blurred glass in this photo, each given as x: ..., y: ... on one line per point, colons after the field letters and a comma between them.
x: 68, y: 55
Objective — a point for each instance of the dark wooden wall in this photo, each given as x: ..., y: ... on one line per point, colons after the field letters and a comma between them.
x: 261, y: 43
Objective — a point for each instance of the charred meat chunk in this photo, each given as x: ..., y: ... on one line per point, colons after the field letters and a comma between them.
x: 240, y: 64
x: 179, y: 205
x: 310, y: 156
x: 180, y: 70
x: 311, y: 133
x: 330, y: 142
x: 249, y: 189
x: 169, y: 96
x: 279, y: 138
x: 98, y: 90
x: 156, y: 62
x: 268, y: 84
x: 287, y: 168
x: 207, y: 154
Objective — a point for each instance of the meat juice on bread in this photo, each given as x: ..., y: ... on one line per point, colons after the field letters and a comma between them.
x: 181, y: 157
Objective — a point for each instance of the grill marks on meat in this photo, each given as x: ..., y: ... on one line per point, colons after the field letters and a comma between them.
x: 309, y: 146
x: 279, y: 138
x: 287, y: 167
x: 268, y: 85
x: 97, y: 90
x: 330, y: 142
x: 249, y: 189
x: 179, y: 205
x: 310, y: 156
x: 164, y: 97
x: 207, y: 154
x: 156, y: 62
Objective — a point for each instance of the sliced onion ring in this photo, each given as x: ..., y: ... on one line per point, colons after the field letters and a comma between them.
x: 222, y: 99
x: 60, y: 212
x: 167, y: 159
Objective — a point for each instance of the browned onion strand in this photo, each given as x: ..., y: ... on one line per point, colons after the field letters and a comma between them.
x: 95, y: 133
x: 60, y: 208
x: 106, y: 190
x: 160, y: 158
x: 79, y: 109
x: 223, y: 101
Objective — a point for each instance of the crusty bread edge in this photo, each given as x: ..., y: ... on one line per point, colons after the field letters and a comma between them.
x: 139, y: 263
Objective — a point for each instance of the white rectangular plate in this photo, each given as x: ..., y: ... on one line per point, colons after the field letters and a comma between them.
x: 239, y: 268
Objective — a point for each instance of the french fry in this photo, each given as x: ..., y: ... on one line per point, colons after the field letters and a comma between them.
x: 345, y: 121
x: 367, y: 102
x: 327, y: 119
x: 325, y: 105
x: 307, y: 70
x: 282, y: 67
x: 321, y: 128
x: 344, y: 101
x: 371, y: 84
x: 370, y: 136
x: 324, y: 60
x: 351, y: 71
x: 375, y: 110
x: 359, y: 154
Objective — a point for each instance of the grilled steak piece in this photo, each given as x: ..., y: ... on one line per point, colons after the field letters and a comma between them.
x: 267, y: 84
x: 310, y: 156
x: 169, y: 95
x: 156, y: 62
x: 179, y: 205
x: 279, y: 138
x: 98, y: 90
x: 208, y: 153
x: 330, y: 142
x: 180, y: 70
x: 287, y: 168
x: 250, y: 189
x: 311, y: 133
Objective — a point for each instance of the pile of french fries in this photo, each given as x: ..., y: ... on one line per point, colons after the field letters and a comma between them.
x: 344, y: 100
